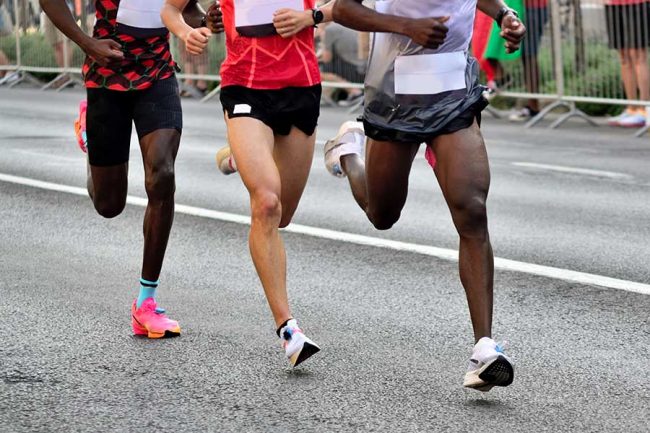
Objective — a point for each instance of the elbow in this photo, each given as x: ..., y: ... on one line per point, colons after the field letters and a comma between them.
x: 338, y: 11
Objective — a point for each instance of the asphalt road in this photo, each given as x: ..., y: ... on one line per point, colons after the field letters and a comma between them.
x: 393, y: 325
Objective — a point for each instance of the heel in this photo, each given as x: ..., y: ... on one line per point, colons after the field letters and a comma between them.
x: 137, y: 328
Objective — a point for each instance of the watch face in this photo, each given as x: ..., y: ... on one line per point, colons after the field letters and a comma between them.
x: 318, y: 16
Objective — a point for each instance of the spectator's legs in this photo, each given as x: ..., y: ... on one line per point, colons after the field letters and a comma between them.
x: 202, y: 69
x: 531, y: 74
x: 639, y: 58
x: 60, y: 54
x: 628, y: 75
x: 3, y: 61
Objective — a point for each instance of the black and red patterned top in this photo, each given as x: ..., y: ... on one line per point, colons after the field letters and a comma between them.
x: 137, y: 26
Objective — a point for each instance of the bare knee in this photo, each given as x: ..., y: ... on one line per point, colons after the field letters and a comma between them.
x: 285, y: 220
x: 470, y: 217
x: 383, y: 219
x: 266, y: 209
x: 625, y: 57
x: 160, y: 183
x: 111, y: 207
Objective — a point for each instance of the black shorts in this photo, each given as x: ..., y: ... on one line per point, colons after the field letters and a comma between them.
x: 628, y: 26
x: 111, y: 114
x: 461, y: 121
x: 279, y: 109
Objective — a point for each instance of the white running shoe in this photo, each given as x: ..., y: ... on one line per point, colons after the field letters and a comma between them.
x: 628, y: 119
x: 634, y: 120
x: 522, y: 115
x: 225, y: 161
x: 350, y: 139
x: 297, y: 346
x: 488, y: 367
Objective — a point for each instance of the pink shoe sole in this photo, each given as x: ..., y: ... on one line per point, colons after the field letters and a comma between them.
x: 138, y: 329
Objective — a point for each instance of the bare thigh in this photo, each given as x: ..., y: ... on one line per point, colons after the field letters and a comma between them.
x: 293, y: 156
x: 463, y: 172
x: 388, y: 166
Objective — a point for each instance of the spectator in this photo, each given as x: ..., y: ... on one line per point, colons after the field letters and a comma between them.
x: 340, y: 57
x: 195, y: 65
x: 491, y: 67
x: 6, y: 29
x: 628, y: 29
x: 535, y: 21
x: 62, y: 54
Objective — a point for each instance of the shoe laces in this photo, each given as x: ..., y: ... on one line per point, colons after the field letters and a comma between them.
x: 501, y: 346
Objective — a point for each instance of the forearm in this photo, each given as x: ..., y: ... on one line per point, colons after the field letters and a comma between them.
x: 328, y: 11
x: 173, y: 18
x: 193, y: 14
x: 352, y: 14
x: 491, y: 7
x: 59, y: 14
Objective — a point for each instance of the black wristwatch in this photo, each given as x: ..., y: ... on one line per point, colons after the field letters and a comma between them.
x: 318, y: 16
x: 502, y: 13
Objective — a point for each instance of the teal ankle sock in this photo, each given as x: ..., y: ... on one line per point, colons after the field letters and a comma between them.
x: 147, y: 290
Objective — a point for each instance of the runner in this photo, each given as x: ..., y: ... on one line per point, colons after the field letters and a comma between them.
x: 130, y: 77
x: 422, y: 86
x: 271, y: 99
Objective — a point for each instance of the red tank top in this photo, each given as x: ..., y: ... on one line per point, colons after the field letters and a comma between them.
x: 270, y: 62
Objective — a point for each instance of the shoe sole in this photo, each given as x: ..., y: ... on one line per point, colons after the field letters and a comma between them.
x: 222, y: 155
x: 308, y: 350
x: 138, y: 329
x: 498, y: 373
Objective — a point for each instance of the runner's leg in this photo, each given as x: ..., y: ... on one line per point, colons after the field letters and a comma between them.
x: 464, y: 175
x: 107, y: 188
x: 293, y: 155
x: 380, y: 184
x: 252, y: 144
x: 109, y: 125
x: 159, y: 150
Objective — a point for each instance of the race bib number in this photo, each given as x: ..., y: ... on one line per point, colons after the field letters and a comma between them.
x: 144, y: 14
x: 430, y: 74
x: 254, y: 18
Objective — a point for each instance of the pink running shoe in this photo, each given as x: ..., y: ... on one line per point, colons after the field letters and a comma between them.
x: 80, y: 127
x: 151, y: 321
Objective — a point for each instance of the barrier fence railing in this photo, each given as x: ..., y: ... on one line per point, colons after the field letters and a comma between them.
x: 588, y: 56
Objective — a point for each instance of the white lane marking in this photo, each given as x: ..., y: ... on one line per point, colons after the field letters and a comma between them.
x: 441, y: 253
x: 48, y: 156
x: 575, y: 170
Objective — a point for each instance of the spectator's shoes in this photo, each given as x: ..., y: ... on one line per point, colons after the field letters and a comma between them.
x: 636, y: 120
x: 297, y: 346
x: 80, y: 127
x: 488, y: 367
x: 350, y: 140
x: 149, y: 320
x: 629, y: 119
x: 352, y: 100
x: 225, y: 161
x: 523, y: 115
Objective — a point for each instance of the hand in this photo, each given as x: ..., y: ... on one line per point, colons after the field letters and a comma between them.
x: 513, y: 31
x: 106, y: 52
x: 289, y: 22
x: 214, y: 18
x: 196, y: 40
x: 428, y: 32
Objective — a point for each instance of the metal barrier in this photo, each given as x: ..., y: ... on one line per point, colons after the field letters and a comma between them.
x: 576, y: 52
x: 581, y: 38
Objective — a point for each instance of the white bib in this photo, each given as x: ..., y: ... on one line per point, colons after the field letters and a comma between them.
x: 144, y: 14
x: 260, y: 12
x: 430, y: 74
